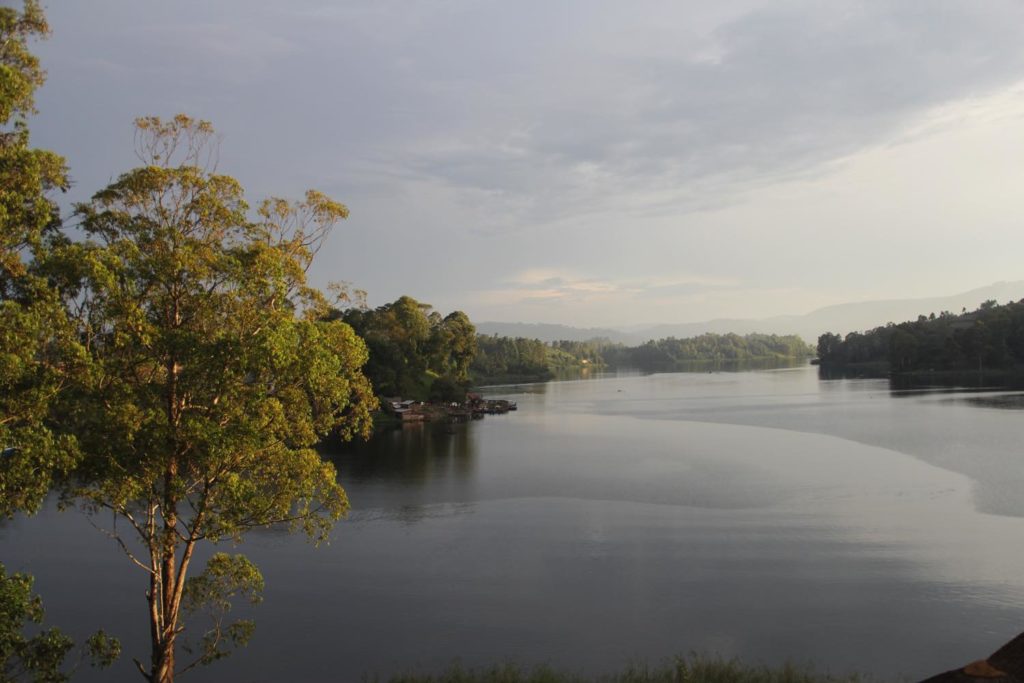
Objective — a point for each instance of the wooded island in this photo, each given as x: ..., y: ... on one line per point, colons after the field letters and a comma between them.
x: 989, y: 339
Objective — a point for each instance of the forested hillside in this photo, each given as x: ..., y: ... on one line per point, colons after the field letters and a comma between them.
x: 671, y: 353
x: 991, y: 337
x: 413, y: 347
x: 417, y: 353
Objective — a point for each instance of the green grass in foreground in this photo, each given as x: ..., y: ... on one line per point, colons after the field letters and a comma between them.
x: 692, y: 669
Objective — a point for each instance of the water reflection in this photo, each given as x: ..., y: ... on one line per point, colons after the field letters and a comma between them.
x: 413, y: 454
x: 768, y: 515
x: 743, y: 365
x: 1001, y: 401
x: 570, y: 375
x: 691, y: 366
x: 573, y: 374
x: 979, y: 381
x: 986, y: 380
x: 832, y: 373
x: 710, y: 367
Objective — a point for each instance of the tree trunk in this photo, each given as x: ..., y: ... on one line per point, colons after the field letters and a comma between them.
x: 166, y: 630
x: 164, y: 602
x: 163, y: 662
x: 165, y: 596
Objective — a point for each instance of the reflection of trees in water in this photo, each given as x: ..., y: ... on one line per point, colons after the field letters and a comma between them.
x: 410, y: 453
x: 915, y: 384
x: 573, y: 374
x: 741, y: 365
x: 979, y: 381
x: 1002, y: 401
x: 831, y: 372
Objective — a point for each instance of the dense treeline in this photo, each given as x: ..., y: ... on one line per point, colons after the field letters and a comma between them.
x: 521, y: 359
x: 508, y: 358
x: 673, y: 354
x: 592, y: 351
x: 414, y: 351
x: 417, y: 353
x: 992, y: 337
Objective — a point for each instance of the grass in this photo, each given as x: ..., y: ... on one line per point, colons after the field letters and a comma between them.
x: 691, y: 669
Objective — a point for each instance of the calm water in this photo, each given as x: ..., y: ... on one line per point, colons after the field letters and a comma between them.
x: 767, y: 515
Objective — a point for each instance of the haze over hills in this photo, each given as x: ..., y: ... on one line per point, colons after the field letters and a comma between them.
x: 839, y: 318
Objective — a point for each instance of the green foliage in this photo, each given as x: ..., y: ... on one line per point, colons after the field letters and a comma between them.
x: 991, y: 337
x: 518, y: 359
x: 212, y: 370
x: 447, y: 389
x: 454, y: 345
x: 512, y: 359
x: 38, y: 349
x: 35, y: 342
x: 557, y: 359
x: 103, y: 650
x: 20, y: 73
x: 38, y: 352
x: 410, y: 345
x: 581, y: 352
x: 672, y: 354
x: 211, y: 593
x: 41, y: 657
x: 26, y: 174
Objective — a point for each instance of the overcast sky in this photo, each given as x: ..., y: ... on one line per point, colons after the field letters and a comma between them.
x: 587, y: 162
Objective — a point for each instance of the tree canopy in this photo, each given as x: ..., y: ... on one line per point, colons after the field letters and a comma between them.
x: 411, y: 345
x: 211, y: 372
x: 991, y: 337
x: 37, y: 349
x: 35, y: 343
x: 672, y: 354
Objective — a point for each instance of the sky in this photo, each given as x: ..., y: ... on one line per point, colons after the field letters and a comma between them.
x: 586, y: 162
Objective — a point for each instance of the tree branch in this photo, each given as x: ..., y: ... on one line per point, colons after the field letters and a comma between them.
x: 120, y: 542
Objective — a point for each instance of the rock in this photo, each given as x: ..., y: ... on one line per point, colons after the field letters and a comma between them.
x: 1005, y: 665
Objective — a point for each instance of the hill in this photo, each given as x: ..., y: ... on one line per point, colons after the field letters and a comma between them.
x: 840, y: 318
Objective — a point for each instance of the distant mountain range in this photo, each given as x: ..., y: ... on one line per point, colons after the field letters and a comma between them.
x: 840, y: 318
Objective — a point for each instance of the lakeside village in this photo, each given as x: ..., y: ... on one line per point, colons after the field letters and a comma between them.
x: 474, y: 407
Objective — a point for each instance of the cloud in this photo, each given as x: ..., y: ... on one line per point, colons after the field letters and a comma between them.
x: 549, y: 285
x: 552, y: 296
x: 657, y: 159
x: 542, y: 113
x: 599, y: 122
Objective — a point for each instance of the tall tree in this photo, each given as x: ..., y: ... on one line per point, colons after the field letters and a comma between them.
x: 33, y: 339
x: 400, y: 341
x: 36, y: 348
x: 26, y: 376
x: 456, y: 344
x: 212, y: 375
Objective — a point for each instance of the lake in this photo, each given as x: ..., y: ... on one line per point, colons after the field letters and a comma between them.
x: 767, y: 515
